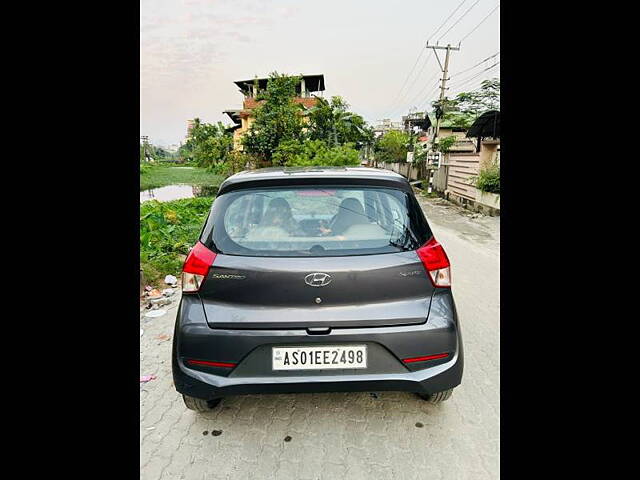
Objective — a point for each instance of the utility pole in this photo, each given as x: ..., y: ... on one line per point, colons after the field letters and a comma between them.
x: 445, y: 71
x: 145, y: 141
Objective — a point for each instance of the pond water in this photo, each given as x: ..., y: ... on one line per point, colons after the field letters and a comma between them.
x: 175, y: 192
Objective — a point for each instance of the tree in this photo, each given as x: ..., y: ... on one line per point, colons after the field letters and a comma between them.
x: 449, y: 113
x: 332, y: 122
x: 487, y: 97
x: 213, y: 150
x: 463, y: 110
x: 392, y: 147
x: 208, y: 144
x: 277, y: 119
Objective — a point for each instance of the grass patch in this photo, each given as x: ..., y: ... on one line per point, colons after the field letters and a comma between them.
x: 167, y: 231
x: 422, y: 189
x: 426, y: 194
x: 157, y: 176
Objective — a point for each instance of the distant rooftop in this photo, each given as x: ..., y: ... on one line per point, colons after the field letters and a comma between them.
x: 313, y: 83
x: 419, y: 119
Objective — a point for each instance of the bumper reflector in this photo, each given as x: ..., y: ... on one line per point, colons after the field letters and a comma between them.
x: 423, y: 359
x: 211, y: 364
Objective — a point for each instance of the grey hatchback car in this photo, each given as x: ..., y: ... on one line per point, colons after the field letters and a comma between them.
x: 315, y: 280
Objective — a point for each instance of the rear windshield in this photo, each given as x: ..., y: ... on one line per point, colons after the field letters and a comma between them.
x: 317, y: 221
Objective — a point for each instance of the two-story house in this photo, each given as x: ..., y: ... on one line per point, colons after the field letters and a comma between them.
x: 242, y: 119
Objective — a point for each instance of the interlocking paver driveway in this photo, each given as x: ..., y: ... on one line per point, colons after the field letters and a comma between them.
x: 344, y: 435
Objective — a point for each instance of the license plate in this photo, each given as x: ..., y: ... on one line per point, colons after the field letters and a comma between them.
x: 319, y: 357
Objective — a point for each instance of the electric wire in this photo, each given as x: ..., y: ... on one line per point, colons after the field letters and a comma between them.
x: 400, y: 95
x: 476, y: 65
x: 481, y: 22
x: 458, y: 21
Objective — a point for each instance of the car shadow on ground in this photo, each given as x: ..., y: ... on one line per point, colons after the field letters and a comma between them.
x: 292, y: 417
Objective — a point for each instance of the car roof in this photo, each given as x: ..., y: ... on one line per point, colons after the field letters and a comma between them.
x: 273, y: 175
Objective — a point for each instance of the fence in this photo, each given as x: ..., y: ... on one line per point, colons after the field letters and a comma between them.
x: 439, y: 181
x: 453, y: 179
x: 405, y: 169
x: 462, y: 166
x: 409, y: 170
x: 452, y: 176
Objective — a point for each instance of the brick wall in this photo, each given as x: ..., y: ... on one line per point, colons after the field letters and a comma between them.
x: 251, y: 103
x: 306, y: 101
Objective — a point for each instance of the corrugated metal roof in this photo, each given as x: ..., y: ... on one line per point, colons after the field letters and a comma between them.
x: 486, y: 125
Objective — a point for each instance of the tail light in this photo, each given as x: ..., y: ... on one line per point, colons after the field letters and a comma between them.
x: 425, y: 358
x: 436, y: 262
x: 211, y: 364
x: 196, y: 267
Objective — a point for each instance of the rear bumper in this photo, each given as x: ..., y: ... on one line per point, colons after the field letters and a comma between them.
x: 208, y: 386
x: 193, y: 338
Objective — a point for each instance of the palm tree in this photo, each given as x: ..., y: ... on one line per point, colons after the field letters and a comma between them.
x: 330, y: 117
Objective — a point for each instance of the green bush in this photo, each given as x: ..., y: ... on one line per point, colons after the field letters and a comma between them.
x: 310, y: 153
x: 167, y: 231
x: 445, y: 144
x: 222, y: 168
x: 489, y: 179
x: 392, y: 147
x: 213, y: 150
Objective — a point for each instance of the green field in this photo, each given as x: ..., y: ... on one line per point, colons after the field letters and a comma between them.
x: 162, y: 175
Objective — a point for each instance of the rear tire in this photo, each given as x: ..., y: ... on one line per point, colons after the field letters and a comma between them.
x: 200, y: 405
x: 438, y: 397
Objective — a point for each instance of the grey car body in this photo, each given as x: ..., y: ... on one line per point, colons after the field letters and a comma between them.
x: 249, y: 304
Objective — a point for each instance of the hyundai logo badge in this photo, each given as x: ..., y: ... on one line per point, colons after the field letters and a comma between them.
x: 317, y: 279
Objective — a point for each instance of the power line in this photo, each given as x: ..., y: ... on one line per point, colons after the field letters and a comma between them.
x: 476, y: 65
x: 471, y: 78
x: 401, y: 105
x: 429, y: 83
x: 431, y: 96
x: 443, y: 23
x: 445, y: 71
x: 458, y: 21
x: 466, y: 81
x: 426, y: 85
x: 145, y: 144
x: 473, y: 86
x: 399, y: 101
x: 420, y: 73
x: 433, y: 91
x: 481, y: 22
x: 399, y: 95
x: 476, y: 75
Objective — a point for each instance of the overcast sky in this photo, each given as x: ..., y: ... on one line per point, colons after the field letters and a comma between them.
x: 191, y: 51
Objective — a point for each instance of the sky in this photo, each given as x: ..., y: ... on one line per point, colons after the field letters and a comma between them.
x: 371, y: 53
